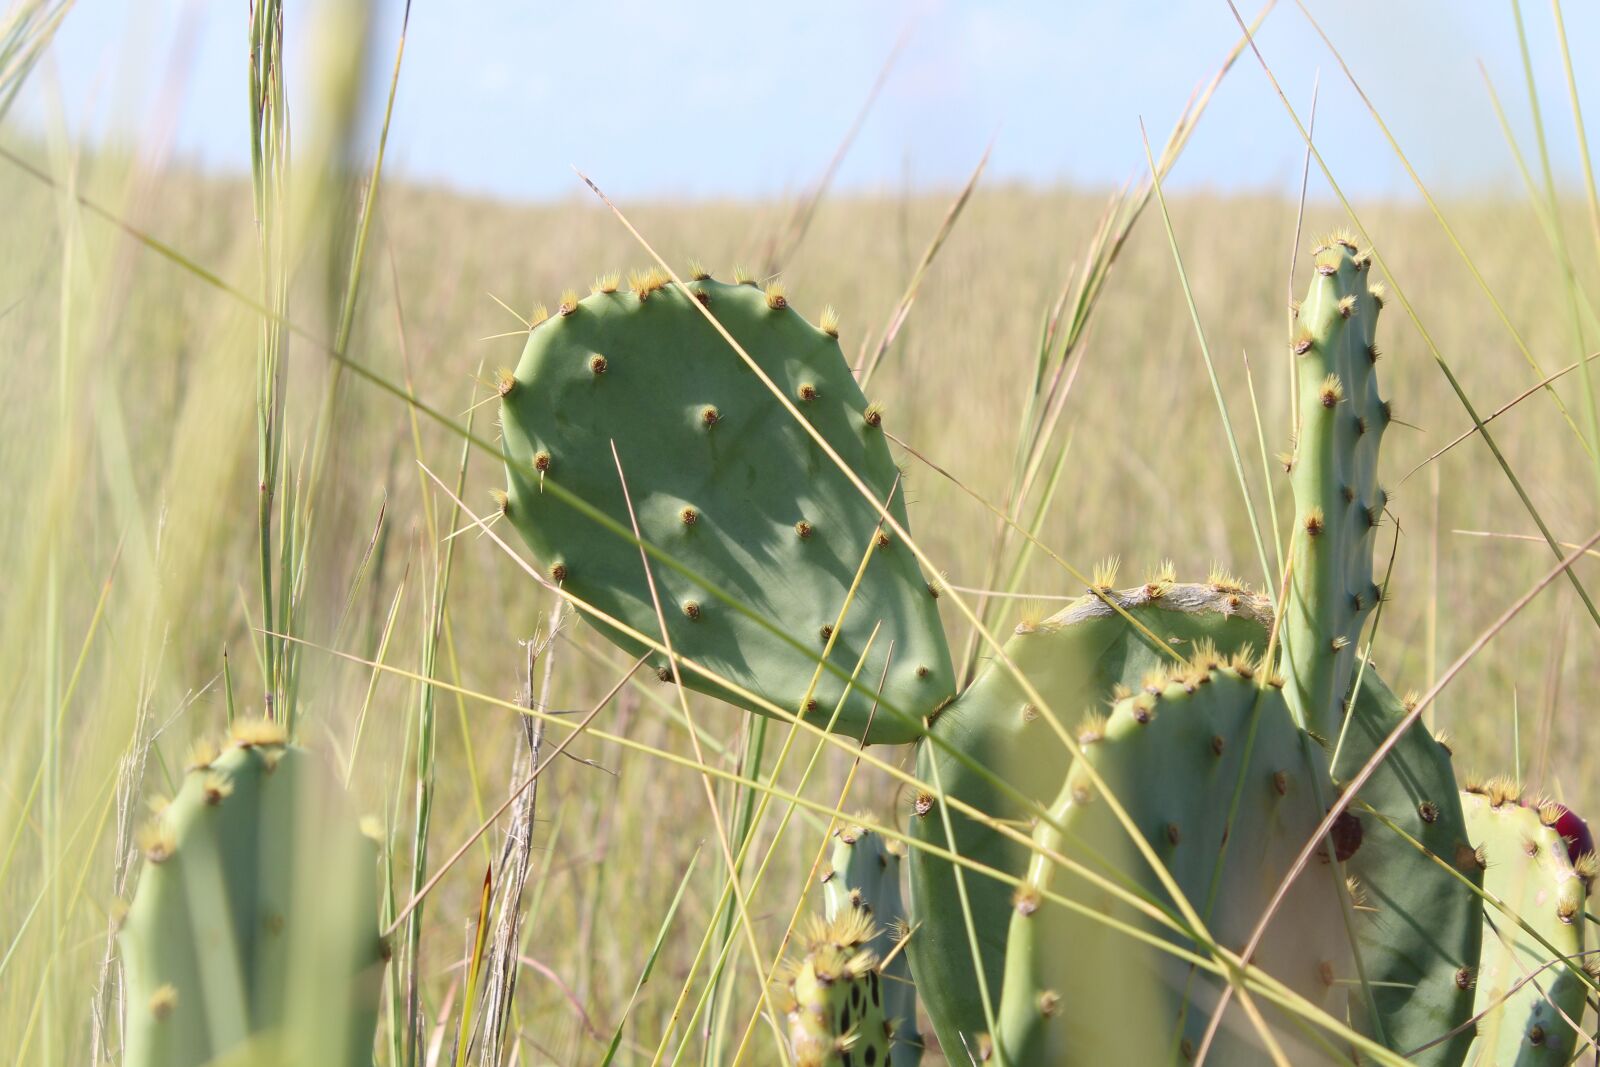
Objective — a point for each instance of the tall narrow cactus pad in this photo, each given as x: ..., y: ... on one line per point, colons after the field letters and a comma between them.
x: 254, y: 930
x: 1528, y: 996
x: 1419, y: 924
x: 1338, y: 502
x: 834, y: 997
x: 863, y: 876
x: 758, y: 537
x: 1226, y: 789
x: 992, y: 747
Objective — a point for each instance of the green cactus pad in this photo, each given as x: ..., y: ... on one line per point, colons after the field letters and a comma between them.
x: 1075, y: 659
x: 834, y: 997
x: 1419, y: 927
x: 864, y: 876
x: 1175, y: 755
x: 1527, y: 868
x: 1338, y: 502
x: 254, y: 926
x: 728, y: 486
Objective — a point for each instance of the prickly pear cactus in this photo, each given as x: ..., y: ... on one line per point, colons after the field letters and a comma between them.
x: 991, y: 745
x: 834, y: 997
x: 729, y: 487
x: 254, y: 929
x: 863, y: 876
x: 1338, y: 503
x: 1211, y: 767
x: 1528, y: 1000
x: 1416, y: 930
x: 1419, y: 926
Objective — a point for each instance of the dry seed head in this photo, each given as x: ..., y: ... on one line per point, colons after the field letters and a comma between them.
x: 829, y: 322
x: 569, y: 303
x: 775, y: 298
x: 606, y: 283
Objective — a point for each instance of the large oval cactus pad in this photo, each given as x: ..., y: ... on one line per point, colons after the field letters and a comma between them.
x: 726, y: 484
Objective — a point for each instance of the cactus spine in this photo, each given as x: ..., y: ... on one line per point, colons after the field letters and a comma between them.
x: 834, y: 997
x: 254, y: 928
x: 864, y: 876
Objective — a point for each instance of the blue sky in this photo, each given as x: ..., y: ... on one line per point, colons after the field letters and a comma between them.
x: 659, y: 99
